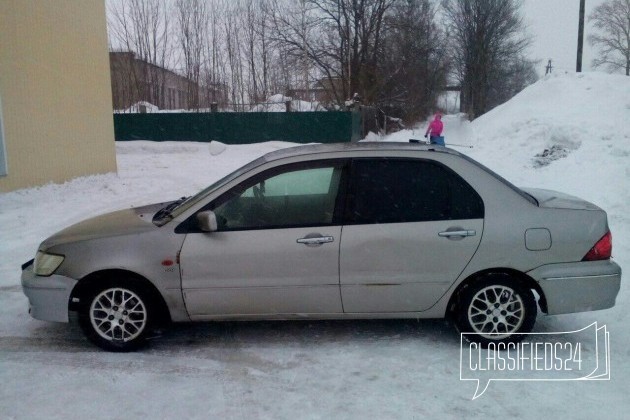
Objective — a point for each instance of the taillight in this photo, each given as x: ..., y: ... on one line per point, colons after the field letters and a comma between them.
x: 601, y: 250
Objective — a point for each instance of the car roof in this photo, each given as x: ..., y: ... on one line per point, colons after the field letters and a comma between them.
x: 353, y: 147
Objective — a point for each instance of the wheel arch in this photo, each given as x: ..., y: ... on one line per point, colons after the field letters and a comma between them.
x: 513, y: 274
x: 93, y: 280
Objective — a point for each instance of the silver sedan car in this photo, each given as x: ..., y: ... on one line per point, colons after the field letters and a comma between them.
x: 345, y: 231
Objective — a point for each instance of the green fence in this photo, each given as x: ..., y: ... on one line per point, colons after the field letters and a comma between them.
x: 240, y: 127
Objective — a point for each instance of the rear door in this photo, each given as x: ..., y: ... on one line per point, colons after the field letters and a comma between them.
x: 410, y: 229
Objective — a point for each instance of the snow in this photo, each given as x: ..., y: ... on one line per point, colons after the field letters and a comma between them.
x: 142, y: 106
x: 449, y: 101
x: 276, y: 103
x: 309, y: 369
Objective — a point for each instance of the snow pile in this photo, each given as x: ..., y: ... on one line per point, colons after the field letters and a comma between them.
x: 568, y: 132
x: 557, y: 116
x: 144, y: 107
x: 140, y: 107
x: 216, y: 147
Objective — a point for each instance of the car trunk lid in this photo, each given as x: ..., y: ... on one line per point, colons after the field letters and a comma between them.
x: 558, y: 200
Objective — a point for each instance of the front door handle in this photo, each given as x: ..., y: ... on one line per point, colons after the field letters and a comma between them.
x: 457, y: 233
x: 315, y: 240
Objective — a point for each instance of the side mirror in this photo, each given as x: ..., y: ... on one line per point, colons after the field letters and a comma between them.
x: 207, y: 221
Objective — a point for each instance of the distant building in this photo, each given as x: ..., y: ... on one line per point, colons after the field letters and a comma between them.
x: 315, y: 94
x: 321, y: 91
x: 55, y: 97
x: 135, y: 80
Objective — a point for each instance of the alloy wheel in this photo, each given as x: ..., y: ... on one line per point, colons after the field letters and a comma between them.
x: 496, y: 311
x: 118, y: 314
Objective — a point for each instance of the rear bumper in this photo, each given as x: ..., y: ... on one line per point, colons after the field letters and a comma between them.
x: 48, y: 297
x: 580, y: 286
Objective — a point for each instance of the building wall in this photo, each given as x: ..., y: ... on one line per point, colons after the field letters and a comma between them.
x: 55, y: 91
x: 134, y: 80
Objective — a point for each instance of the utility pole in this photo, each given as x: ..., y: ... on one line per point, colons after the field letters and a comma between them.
x: 578, y: 67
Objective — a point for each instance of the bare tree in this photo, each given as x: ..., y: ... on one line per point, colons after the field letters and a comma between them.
x: 413, y: 64
x: 255, y: 29
x: 293, y: 31
x: 358, y: 25
x: 142, y: 27
x: 234, y: 54
x: 389, y: 52
x: 612, y: 37
x: 192, y: 18
x: 213, y: 73
x: 488, y: 38
x: 342, y: 38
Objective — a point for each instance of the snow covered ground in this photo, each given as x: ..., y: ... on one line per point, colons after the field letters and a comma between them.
x: 362, y: 369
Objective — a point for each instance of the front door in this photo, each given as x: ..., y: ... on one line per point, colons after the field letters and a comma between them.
x: 276, y: 251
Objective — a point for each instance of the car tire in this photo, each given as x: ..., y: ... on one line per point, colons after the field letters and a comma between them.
x: 496, y: 309
x: 117, y: 316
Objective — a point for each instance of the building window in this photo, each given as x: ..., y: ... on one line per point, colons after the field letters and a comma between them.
x: 3, y: 150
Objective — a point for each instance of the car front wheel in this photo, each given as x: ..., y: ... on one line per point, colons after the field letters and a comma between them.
x: 496, y: 309
x: 116, y: 317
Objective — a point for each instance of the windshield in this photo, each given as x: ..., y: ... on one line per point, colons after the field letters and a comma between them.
x: 176, y: 208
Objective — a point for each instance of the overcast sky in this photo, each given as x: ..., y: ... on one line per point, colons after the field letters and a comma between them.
x: 554, y: 25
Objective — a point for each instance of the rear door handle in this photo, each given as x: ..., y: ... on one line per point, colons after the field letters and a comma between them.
x: 315, y: 240
x: 457, y: 233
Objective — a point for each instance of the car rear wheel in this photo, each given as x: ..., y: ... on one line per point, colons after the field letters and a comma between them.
x: 117, y: 317
x: 496, y: 309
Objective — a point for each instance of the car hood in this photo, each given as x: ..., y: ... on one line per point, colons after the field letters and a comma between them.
x: 123, y: 222
x: 558, y: 200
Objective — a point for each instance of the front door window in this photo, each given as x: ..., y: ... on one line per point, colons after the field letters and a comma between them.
x: 302, y: 197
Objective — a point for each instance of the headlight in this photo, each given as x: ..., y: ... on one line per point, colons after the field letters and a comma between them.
x: 46, y: 264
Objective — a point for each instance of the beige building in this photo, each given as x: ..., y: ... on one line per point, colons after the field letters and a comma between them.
x: 55, y: 93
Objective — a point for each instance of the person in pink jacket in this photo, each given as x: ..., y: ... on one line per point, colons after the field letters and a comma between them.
x: 435, y: 130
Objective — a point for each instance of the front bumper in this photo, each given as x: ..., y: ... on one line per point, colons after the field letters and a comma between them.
x: 580, y: 286
x: 48, y: 297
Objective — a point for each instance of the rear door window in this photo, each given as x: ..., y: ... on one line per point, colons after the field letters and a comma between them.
x: 408, y: 190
